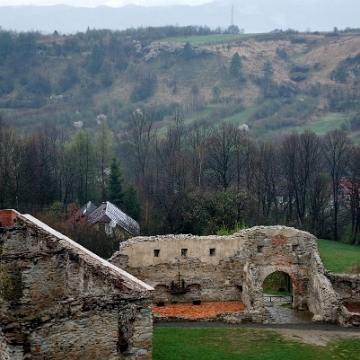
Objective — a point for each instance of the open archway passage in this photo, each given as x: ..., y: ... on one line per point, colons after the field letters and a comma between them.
x: 278, y: 283
x: 278, y: 291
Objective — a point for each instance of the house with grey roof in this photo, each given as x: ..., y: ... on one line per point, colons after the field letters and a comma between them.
x: 113, y: 221
x: 87, y: 209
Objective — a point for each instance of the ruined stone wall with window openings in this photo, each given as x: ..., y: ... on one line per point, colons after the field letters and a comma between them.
x: 182, y: 268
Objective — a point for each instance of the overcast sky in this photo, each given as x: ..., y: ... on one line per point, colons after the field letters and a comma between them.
x: 93, y: 3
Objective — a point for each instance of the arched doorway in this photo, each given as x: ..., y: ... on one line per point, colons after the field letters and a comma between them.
x: 279, y: 300
x: 278, y: 282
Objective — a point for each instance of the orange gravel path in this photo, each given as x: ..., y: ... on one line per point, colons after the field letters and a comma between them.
x: 202, y: 311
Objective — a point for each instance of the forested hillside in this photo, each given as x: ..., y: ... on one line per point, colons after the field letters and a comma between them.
x: 210, y: 130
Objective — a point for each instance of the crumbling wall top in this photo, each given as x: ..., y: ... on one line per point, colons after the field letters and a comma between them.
x: 88, y: 256
x: 7, y: 217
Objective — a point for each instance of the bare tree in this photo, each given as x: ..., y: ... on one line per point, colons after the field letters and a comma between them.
x: 336, y: 155
x: 140, y: 140
x: 222, y: 154
x: 104, y: 154
x: 196, y: 145
x: 352, y: 188
x: 301, y: 163
x: 266, y: 179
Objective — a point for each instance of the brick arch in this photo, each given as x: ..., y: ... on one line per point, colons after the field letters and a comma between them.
x: 268, y: 270
x: 298, y: 301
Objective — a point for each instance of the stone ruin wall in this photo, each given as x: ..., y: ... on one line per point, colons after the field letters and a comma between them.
x: 58, y: 301
x: 328, y: 304
x: 235, y: 270
x: 347, y: 286
x: 208, y: 270
x: 348, y: 289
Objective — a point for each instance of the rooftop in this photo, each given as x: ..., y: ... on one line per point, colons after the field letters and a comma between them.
x: 108, y: 212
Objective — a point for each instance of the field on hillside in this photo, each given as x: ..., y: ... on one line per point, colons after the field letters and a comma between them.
x: 228, y: 344
x: 338, y: 257
x: 209, y: 39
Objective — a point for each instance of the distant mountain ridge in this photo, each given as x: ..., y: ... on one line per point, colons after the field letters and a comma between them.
x: 257, y: 16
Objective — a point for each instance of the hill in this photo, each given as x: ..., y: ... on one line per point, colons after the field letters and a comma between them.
x: 288, y: 81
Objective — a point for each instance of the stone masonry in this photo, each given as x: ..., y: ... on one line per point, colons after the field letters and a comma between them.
x: 60, y: 301
x: 223, y: 268
x: 348, y: 288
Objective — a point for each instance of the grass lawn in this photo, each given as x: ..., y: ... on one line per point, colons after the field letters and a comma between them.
x: 338, y: 257
x: 228, y: 344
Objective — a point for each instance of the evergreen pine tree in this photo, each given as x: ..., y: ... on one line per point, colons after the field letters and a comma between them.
x: 95, y: 60
x: 235, y: 66
x: 115, y: 188
x: 188, y: 52
x: 131, y: 202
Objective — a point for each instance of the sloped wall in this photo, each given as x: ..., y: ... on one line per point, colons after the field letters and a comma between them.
x: 59, y: 301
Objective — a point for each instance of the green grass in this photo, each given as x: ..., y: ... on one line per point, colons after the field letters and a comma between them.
x: 323, y: 124
x: 280, y: 293
x: 241, y: 117
x: 209, y: 39
x: 327, y: 122
x: 338, y: 257
x: 238, y: 118
x: 228, y: 344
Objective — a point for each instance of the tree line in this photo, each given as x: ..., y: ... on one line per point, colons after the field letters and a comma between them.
x: 194, y: 178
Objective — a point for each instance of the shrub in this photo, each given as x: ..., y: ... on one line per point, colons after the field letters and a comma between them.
x: 282, y: 53
x: 39, y: 84
x: 298, y: 76
x: 298, y: 40
x: 145, y: 88
x: 299, y: 68
x: 6, y: 85
x: 355, y: 123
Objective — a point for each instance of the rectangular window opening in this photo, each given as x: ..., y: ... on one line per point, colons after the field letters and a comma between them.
x: 294, y: 247
x: 184, y: 252
x: 156, y: 252
x: 260, y: 248
x: 212, y: 251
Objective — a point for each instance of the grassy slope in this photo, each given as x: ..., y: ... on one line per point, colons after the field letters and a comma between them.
x: 209, y: 39
x: 205, y: 73
x: 338, y: 257
x: 325, y: 52
x: 227, y: 344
